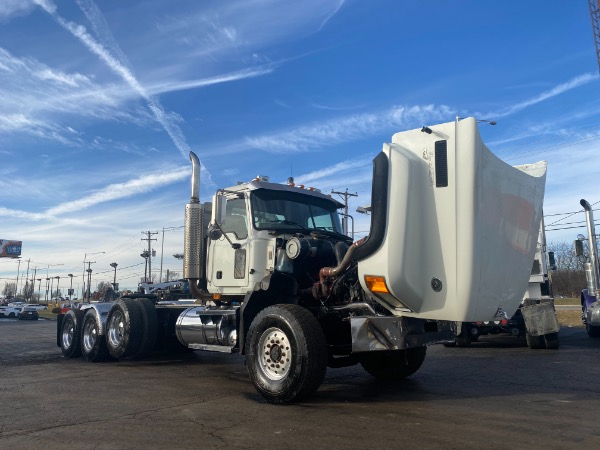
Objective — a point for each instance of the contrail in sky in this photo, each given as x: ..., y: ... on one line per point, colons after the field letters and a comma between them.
x: 117, y: 67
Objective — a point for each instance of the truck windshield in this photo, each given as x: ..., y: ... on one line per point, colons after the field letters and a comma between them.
x: 281, y: 210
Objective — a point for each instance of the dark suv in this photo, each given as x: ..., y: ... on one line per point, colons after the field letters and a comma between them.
x: 28, y: 312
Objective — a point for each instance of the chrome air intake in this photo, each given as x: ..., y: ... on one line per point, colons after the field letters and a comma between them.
x: 203, y: 328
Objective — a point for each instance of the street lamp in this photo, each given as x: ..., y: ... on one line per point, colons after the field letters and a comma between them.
x: 83, y: 273
x: 57, y: 283
x: 70, y: 288
x: 115, y: 278
x: 47, y: 284
x: 89, y: 271
x: 39, y: 288
x: 51, y: 287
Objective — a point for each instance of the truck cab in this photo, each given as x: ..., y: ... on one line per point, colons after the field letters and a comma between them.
x: 251, y: 221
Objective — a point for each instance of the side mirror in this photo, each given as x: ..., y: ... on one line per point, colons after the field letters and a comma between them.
x: 214, y: 233
x: 218, y: 210
x: 578, y: 248
x: 551, y: 260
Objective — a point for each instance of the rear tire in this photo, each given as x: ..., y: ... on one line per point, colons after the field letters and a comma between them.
x: 551, y: 340
x: 535, y: 342
x: 592, y: 331
x: 149, y: 327
x: 395, y: 364
x: 286, y: 353
x: 124, y: 328
x: 70, y: 334
x: 93, y: 344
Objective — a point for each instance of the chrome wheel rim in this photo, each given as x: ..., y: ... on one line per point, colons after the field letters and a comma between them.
x: 67, y: 334
x: 90, y: 335
x: 116, y: 329
x: 275, y: 358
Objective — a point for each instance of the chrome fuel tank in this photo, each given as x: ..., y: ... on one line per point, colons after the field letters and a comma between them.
x: 207, y: 329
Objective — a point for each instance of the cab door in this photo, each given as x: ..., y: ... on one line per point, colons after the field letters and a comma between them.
x: 228, y: 272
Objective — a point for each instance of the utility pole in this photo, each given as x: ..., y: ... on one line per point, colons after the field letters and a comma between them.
x: 345, y: 196
x: 149, y: 259
x: 26, y: 277
x: 33, y: 284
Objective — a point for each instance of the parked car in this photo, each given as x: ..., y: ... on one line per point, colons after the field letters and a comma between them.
x: 28, y: 313
x: 37, y: 306
x: 9, y: 311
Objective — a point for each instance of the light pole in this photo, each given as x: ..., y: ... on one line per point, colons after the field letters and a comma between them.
x: 115, y: 278
x: 51, y: 285
x: 39, y: 289
x: 17, y: 283
x: 71, y: 288
x: 57, y: 283
x: 89, y: 271
x: 83, y: 273
x: 47, y: 284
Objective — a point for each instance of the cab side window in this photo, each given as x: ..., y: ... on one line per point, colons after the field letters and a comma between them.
x: 235, y: 218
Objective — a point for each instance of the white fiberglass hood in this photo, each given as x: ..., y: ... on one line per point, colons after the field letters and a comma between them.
x: 461, y: 226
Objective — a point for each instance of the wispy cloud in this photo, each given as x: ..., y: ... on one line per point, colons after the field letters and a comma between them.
x: 118, y: 68
x: 116, y: 191
x: 317, y: 135
x: 172, y: 86
x: 333, y: 13
x: 557, y: 90
x: 10, y: 8
x: 337, y: 170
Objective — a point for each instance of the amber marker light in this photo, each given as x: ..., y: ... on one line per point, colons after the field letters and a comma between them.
x: 376, y: 284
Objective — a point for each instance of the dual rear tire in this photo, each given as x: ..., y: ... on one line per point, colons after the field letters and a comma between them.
x: 131, y: 331
x: 131, y: 328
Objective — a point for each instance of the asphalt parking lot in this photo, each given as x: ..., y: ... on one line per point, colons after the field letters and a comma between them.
x: 495, y: 394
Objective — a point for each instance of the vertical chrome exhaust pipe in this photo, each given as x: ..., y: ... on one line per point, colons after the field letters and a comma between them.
x: 593, y: 273
x: 193, y: 227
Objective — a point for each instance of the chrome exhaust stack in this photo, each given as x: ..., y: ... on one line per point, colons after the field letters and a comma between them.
x: 592, y: 272
x: 192, y: 240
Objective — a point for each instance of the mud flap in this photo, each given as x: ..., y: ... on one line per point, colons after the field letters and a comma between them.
x: 540, y: 318
x: 59, y: 321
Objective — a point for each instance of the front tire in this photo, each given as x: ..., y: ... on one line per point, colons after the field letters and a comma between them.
x: 93, y: 344
x: 592, y: 331
x: 70, y: 334
x: 286, y: 353
x: 395, y: 364
x: 124, y: 328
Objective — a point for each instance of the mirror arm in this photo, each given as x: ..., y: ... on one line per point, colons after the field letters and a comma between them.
x: 233, y: 246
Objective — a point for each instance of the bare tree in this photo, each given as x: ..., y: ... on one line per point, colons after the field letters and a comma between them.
x: 568, y: 279
x: 10, y: 290
x: 174, y: 276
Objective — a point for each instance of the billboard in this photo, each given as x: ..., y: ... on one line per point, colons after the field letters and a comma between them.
x: 10, y: 249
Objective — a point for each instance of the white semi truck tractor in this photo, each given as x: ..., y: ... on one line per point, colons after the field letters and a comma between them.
x: 271, y: 275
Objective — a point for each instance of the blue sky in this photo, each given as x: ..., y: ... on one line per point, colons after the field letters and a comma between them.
x: 100, y: 102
